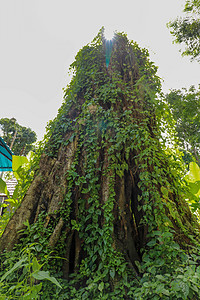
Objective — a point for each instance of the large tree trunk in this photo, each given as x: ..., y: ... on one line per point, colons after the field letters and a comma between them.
x: 105, y: 184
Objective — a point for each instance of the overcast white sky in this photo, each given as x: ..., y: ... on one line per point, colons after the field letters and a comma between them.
x: 40, y: 38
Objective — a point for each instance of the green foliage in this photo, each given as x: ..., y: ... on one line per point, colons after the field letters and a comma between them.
x: 10, y: 205
x: 22, y: 278
x: 193, y: 181
x: 187, y: 30
x: 25, y: 137
x: 24, y: 170
x: 168, y: 272
x: 112, y: 111
x: 3, y: 187
x: 18, y: 161
x: 185, y: 107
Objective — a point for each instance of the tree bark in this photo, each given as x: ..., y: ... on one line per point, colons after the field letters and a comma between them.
x: 81, y: 187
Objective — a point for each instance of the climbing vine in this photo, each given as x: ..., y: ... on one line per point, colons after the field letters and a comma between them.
x: 120, y: 229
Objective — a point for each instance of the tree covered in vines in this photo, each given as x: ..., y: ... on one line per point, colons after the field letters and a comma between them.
x: 106, y: 204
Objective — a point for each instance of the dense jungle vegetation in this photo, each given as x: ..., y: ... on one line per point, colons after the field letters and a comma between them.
x: 108, y: 205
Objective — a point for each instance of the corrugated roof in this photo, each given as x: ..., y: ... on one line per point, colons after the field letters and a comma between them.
x: 5, y: 156
x: 11, y: 183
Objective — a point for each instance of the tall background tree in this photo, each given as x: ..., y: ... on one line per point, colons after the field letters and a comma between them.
x: 185, y: 108
x: 106, y: 204
x: 18, y: 137
x: 186, y: 30
x: 185, y: 105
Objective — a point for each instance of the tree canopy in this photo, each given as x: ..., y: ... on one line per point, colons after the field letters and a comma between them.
x: 186, y: 30
x: 20, y: 138
x: 185, y: 108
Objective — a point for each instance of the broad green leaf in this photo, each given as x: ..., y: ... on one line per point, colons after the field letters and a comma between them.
x: 36, y: 266
x: 91, y: 285
x: 112, y: 273
x: 3, y: 187
x: 194, y: 187
x: 41, y: 275
x: 165, y: 292
x: 160, y: 288
x: 151, y: 243
x: 194, y: 173
x: 18, y: 161
x: 160, y: 277
x: 101, y: 286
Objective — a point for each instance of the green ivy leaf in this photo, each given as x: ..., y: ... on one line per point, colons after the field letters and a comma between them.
x: 151, y: 243
x: 101, y: 286
x: 112, y: 273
